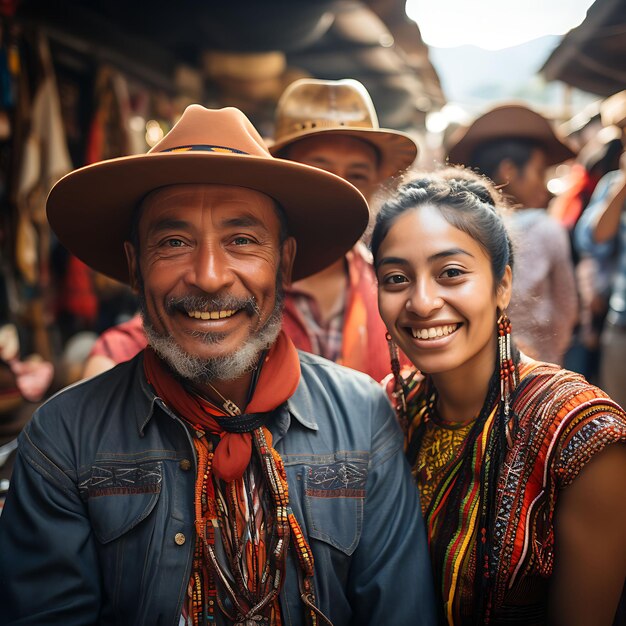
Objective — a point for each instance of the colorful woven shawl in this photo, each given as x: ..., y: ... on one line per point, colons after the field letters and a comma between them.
x: 562, y: 421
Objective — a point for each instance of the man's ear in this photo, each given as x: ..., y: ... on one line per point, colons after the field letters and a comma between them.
x: 503, y: 294
x: 133, y: 264
x: 287, y: 258
x: 506, y: 172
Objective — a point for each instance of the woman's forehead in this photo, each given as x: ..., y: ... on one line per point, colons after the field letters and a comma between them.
x: 424, y: 231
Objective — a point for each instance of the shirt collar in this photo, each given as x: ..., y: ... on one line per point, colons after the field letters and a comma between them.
x: 299, y: 406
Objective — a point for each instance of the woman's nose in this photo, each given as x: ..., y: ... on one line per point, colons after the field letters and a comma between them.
x: 424, y: 299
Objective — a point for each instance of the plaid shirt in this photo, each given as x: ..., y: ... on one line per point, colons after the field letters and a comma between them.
x: 326, y: 336
x: 355, y: 335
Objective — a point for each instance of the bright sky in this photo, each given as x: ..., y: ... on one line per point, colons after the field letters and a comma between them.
x: 493, y: 24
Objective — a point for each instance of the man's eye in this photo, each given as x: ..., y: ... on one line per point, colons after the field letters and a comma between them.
x: 359, y: 178
x: 175, y: 243
x: 242, y: 241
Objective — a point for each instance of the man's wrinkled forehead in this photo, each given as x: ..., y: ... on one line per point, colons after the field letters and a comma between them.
x: 207, y: 195
x: 204, y: 195
x: 361, y: 150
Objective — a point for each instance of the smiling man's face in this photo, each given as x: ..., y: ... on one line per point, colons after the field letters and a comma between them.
x: 209, y: 272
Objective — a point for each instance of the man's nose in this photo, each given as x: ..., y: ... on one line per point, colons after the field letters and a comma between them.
x: 211, y: 271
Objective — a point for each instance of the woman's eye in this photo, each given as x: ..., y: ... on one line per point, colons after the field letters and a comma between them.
x: 395, y: 279
x: 452, y: 272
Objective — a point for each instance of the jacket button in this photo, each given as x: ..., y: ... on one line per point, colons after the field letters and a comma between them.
x: 179, y: 539
x: 185, y: 465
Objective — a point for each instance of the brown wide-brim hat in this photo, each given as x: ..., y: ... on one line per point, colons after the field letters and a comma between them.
x: 311, y: 107
x: 91, y: 209
x: 509, y: 121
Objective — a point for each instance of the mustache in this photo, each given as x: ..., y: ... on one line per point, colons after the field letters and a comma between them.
x: 225, y: 302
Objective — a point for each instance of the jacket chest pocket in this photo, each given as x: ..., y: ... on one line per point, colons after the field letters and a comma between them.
x: 333, y: 494
x: 120, y: 495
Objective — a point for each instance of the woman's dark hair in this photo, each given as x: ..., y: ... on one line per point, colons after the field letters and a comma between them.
x: 466, y: 200
x: 487, y: 157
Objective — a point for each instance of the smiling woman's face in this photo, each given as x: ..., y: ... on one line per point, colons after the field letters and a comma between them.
x: 436, y: 293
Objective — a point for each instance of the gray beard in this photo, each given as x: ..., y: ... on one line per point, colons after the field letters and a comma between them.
x: 229, y: 367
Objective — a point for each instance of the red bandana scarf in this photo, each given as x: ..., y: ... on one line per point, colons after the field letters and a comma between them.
x: 277, y: 382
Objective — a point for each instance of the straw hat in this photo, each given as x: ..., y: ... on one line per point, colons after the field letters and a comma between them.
x: 613, y: 110
x: 91, y: 208
x: 509, y: 121
x: 338, y: 107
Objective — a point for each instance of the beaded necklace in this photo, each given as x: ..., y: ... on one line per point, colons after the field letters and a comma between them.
x: 254, y: 596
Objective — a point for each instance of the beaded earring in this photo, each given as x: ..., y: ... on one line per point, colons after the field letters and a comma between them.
x: 508, y: 370
x: 393, y: 356
x: 398, y: 390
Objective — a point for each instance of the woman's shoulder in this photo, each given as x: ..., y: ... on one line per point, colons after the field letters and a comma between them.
x: 577, y: 418
x: 549, y: 386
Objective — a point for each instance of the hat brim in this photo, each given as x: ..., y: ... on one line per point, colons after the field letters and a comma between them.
x: 509, y: 122
x: 397, y: 150
x: 90, y: 209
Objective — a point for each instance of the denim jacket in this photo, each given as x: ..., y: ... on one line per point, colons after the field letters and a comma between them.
x: 98, y: 527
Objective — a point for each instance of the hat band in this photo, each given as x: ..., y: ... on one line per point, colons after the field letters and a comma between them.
x: 205, y: 148
x: 318, y: 124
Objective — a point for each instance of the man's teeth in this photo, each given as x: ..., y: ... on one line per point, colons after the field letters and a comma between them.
x: 210, y: 315
x: 435, y: 331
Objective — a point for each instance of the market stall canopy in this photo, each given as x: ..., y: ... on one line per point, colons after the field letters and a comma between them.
x: 592, y: 57
x: 373, y: 42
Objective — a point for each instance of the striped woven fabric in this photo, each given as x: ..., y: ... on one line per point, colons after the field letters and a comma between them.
x: 562, y: 422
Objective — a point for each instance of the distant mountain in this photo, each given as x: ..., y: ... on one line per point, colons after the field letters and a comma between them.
x: 474, y: 77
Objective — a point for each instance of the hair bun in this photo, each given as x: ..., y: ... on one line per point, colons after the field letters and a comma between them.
x: 465, y: 180
x: 477, y: 188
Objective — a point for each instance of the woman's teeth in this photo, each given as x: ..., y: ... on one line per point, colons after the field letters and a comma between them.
x: 434, y: 332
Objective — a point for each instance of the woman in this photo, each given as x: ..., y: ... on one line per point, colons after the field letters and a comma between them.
x: 523, y: 495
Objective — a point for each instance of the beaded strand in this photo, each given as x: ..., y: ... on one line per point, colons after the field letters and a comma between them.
x: 211, y: 513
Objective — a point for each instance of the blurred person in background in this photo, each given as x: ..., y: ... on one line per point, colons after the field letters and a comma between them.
x: 123, y: 337
x: 23, y: 383
x: 597, y: 157
x: 115, y: 345
x: 514, y: 146
x: 333, y: 125
x: 601, y: 233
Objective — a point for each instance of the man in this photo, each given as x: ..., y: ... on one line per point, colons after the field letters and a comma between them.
x: 514, y: 146
x: 333, y: 125
x: 219, y: 477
